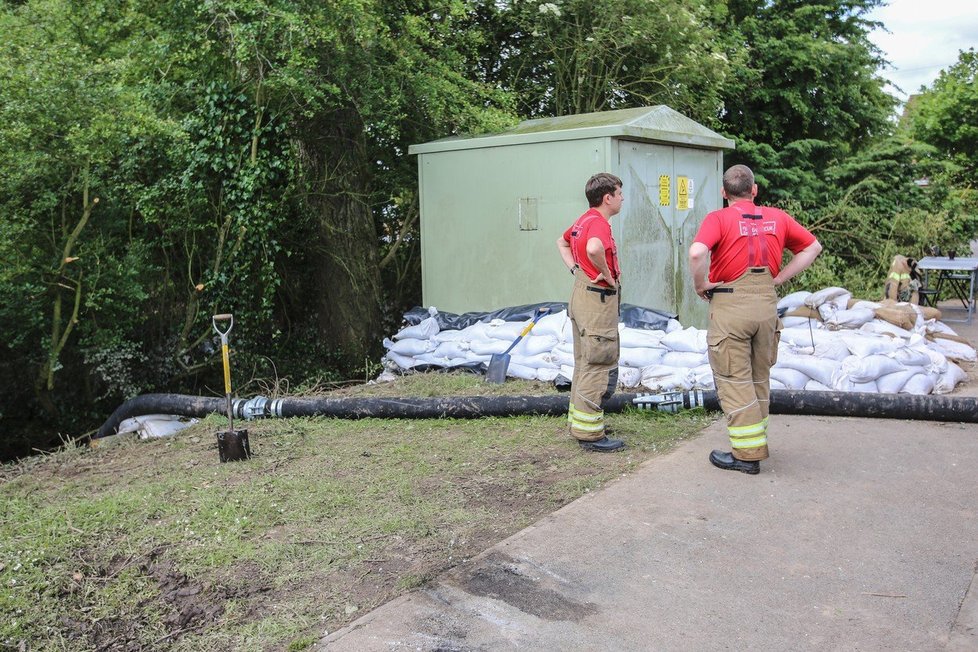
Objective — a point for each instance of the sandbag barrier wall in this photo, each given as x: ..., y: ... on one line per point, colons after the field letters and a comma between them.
x: 830, y: 342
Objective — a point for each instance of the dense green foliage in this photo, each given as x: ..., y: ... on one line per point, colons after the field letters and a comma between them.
x: 160, y: 162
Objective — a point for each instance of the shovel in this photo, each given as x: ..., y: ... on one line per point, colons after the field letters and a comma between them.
x: 499, y: 363
x: 232, y: 445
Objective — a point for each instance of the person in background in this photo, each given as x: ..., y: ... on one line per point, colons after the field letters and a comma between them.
x: 742, y: 246
x: 589, y: 252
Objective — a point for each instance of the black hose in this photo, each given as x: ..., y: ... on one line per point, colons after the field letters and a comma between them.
x: 852, y: 404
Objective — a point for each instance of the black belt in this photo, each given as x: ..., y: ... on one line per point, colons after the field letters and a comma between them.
x: 604, y: 292
x: 723, y: 290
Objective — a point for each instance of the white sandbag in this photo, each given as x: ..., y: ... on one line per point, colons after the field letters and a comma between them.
x: 505, y: 330
x: 567, y: 371
x: 423, y: 330
x: 866, y: 344
x: 789, y: 378
x: 401, y: 361
x: 947, y: 381
x: 793, y: 300
x: 153, y: 426
x: 957, y: 351
x: 815, y: 386
x: 869, y: 387
x: 629, y: 376
x: 934, y: 326
x: 660, y: 378
x: 817, y: 369
x: 476, y: 331
x: 796, y: 322
x: 852, y: 318
x: 685, y: 359
x: 515, y: 370
x: 827, y: 311
x: 702, y: 377
x: 832, y: 349
x: 552, y: 324
x: 673, y: 325
x: 807, y: 337
x: 863, y: 370
x: 438, y: 361
x: 488, y: 346
x: 862, y: 303
x: 564, y: 354
x: 881, y: 327
x: 472, y: 356
x: 638, y: 358
x: 938, y: 362
x: 539, y: 361
x: 777, y: 385
x: 839, y: 297
x: 547, y: 375
x: 450, y: 336
x: 911, y: 356
x: 640, y: 338
x: 690, y: 340
x: 920, y: 384
x: 451, y: 349
x: 410, y: 346
x: 534, y: 344
x: 893, y: 383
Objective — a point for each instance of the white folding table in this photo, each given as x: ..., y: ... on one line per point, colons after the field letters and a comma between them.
x: 958, y: 275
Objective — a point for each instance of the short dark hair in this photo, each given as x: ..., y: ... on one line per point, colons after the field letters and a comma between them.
x: 598, y: 186
x: 738, y: 181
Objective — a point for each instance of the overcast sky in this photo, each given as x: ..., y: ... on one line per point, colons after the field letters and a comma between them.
x: 924, y: 38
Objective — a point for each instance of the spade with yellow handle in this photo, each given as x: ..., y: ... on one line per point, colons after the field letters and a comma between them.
x: 499, y: 363
x: 233, y: 444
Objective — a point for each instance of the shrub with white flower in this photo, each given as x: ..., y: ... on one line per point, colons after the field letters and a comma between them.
x: 550, y: 8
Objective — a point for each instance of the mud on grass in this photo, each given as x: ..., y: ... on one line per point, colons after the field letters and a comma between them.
x: 155, y: 545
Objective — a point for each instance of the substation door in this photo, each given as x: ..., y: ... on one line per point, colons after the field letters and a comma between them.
x: 668, y: 190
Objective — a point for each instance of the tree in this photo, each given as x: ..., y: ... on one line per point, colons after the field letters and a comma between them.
x: 946, y: 115
x: 576, y: 56
x: 65, y: 115
x: 810, y: 93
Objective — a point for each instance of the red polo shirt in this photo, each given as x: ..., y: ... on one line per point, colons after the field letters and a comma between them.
x: 727, y: 233
x: 593, y: 225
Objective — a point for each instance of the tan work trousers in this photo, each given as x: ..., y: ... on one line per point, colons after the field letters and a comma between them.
x: 743, y: 346
x: 594, y: 314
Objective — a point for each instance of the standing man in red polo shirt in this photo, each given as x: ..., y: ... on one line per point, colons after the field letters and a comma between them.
x: 589, y: 252
x: 742, y: 245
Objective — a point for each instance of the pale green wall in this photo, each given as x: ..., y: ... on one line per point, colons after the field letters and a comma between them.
x: 474, y: 254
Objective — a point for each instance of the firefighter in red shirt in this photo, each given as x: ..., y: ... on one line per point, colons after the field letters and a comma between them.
x: 742, y: 245
x: 589, y: 252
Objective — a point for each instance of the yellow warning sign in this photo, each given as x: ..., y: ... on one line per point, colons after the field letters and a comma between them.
x: 682, y: 193
x: 665, y: 184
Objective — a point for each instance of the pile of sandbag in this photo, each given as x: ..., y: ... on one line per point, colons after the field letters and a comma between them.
x: 829, y: 342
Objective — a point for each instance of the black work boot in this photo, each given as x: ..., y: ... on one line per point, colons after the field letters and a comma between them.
x: 603, y: 445
x: 728, y: 462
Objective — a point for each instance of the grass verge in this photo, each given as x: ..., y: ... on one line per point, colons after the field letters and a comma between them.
x: 155, y: 545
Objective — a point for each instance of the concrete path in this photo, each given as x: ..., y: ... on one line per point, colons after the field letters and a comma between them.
x: 859, y: 534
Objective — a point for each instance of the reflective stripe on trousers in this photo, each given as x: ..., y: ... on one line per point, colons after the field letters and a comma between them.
x: 743, y: 346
